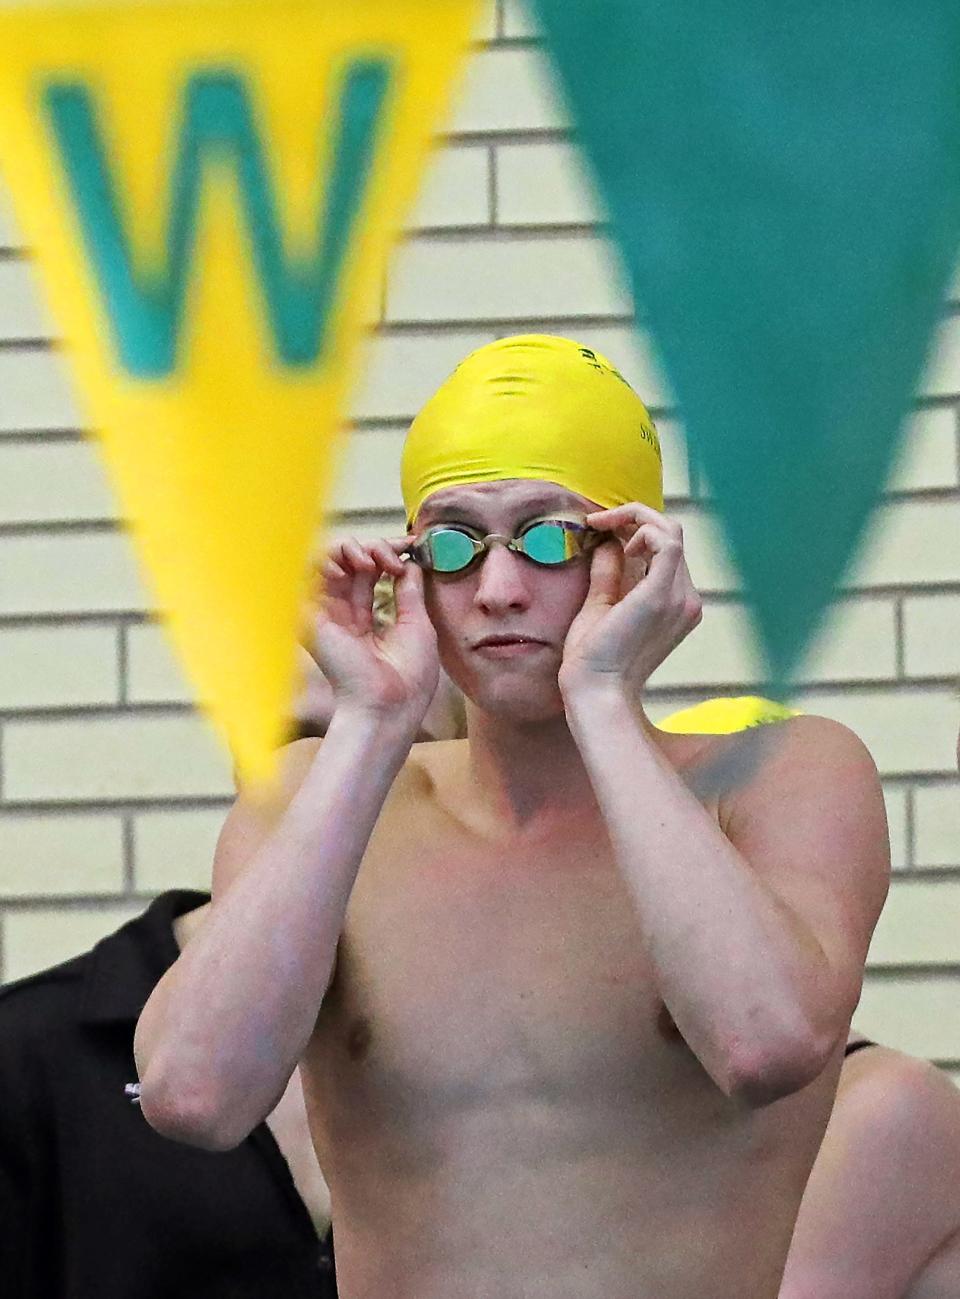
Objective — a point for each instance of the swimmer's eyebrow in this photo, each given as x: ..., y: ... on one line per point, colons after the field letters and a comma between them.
x: 462, y: 514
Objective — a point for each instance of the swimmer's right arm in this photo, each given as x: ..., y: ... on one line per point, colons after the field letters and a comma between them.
x: 226, y: 1026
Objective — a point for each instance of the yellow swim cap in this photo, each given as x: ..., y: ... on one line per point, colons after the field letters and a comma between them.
x: 723, y: 716
x: 535, y: 406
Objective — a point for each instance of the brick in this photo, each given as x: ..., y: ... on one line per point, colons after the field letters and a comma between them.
x: 910, y: 543
x: 369, y: 477
x: 455, y: 190
x: 53, y: 482
x: 34, y: 938
x: 913, y: 1014
x: 23, y: 314
x: 676, y: 476
x: 858, y: 644
x: 895, y: 798
x: 56, y: 855
x: 545, y: 184
x: 520, y: 279
x: 36, y: 391
x: 920, y: 924
x: 931, y: 631
x: 518, y: 20
x: 175, y: 849
x: 117, y: 758
x: 706, y: 550
x: 390, y: 524
x: 403, y: 370
x: 928, y: 453
x: 72, y: 573
x: 937, y: 825
x: 508, y: 90
x: 906, y: 731
x: 58, y: 667
x: 154, y: 675
x: 720, y: 651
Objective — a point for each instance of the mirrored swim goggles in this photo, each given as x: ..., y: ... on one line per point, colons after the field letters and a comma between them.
x: 550, y: 542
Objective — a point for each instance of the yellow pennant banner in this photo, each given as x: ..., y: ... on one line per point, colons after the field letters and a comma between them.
x: 211, y: 190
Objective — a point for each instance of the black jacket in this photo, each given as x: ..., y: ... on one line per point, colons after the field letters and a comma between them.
x: 96, y: 1205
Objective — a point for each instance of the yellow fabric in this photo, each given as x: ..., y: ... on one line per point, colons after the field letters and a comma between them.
x: 222, y: 465
x: 535, y: 406
x: 723, y: 716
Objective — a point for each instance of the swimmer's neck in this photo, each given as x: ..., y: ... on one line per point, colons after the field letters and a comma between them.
x: 529, y: 776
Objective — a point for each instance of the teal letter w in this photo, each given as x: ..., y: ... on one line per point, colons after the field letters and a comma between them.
x: 219, y: 126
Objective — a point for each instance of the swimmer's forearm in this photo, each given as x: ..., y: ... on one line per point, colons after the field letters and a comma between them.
x: 223, y: 1031
x: 742, y: 977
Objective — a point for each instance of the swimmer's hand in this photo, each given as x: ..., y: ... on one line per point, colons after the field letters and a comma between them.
x: 384, y: 669
x: 640, y: 605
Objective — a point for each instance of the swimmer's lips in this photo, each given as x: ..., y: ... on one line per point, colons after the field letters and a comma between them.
x: 508, y: 646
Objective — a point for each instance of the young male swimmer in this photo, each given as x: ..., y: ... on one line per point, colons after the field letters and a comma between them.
x: 565, y: 1031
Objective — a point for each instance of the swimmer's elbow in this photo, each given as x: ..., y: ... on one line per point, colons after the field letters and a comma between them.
x: 190, y: 1115
x: 759, y: 1076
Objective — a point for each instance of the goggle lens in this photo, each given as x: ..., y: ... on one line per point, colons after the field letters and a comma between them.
x: 551, y: 543
x: 450, y: 550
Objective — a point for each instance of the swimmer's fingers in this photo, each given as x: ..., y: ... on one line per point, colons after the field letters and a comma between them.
x: 606, y: 574
x: 625, y: 520
x: 630, y: 636
x: 662, y: 607
x: 645, y: 533
x: 350, y: 573
x: 667, y: 590
x: 408, y: 592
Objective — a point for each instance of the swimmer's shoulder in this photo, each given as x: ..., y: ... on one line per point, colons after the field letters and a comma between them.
x: 257, y: 810
x: 256, y: 813
x: 738, y: 758
x: 800, y: 750
x: 787, y: 771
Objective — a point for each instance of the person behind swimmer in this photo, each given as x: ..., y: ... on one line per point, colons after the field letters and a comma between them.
x: 564, y: 1027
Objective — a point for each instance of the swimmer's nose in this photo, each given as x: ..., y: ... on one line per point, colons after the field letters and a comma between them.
x: 502, y: 586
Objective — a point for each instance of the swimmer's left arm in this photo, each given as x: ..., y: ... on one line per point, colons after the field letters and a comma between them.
x: 757, y: 935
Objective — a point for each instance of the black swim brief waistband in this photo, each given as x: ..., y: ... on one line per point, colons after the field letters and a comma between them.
x: 857, y: 1046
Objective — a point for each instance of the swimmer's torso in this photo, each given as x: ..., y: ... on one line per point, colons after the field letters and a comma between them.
x: 500, y: 1103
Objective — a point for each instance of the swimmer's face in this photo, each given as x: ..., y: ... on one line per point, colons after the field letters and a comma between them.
x: 507, y: 597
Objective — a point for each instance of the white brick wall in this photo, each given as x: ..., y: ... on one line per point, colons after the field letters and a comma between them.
x: 111, y: 789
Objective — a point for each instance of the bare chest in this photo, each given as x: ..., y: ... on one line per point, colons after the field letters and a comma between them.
x: 461, y: 977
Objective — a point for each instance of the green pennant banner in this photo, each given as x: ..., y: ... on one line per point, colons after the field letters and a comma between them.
x: 784, y: 184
